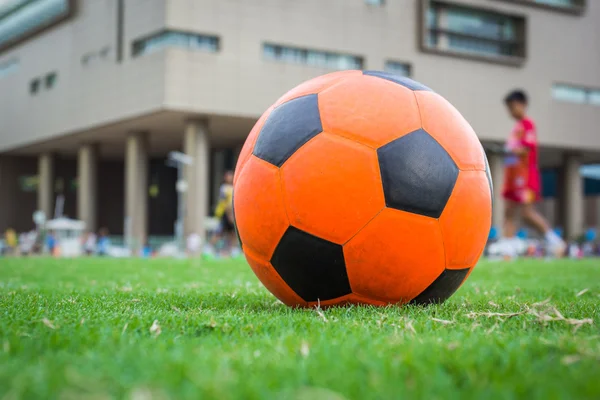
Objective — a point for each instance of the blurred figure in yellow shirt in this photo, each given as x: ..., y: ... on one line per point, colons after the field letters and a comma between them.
x: 10, y: 237
x: 225, y: 203
x: 224, y: 212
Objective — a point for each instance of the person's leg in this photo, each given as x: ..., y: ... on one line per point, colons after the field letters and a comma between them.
x: 533, y: 218
x: 508, y: 242
x: 229, y: 234
x: 509, y: 229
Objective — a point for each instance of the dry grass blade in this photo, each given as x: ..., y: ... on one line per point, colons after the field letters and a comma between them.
x: 155, y: 328
x: 473, y: 315
x: 572, y: 359
x: 48, y: 323
x: 453, y: 345
x: 442, y: 321
x: 304, y: 349
x: 492, y: 329
x: 554, y: 315
x: 584, y: 291
x: 321, y: 314
x: 541, y: 303
x: 409, y: 326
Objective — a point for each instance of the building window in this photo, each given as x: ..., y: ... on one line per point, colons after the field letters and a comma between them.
x: 594, y: 97
x: 94, y: 56
x: 572, y: 6
x: 22, y: 19
x: 104, y: 52
x: 576, y: 94
x: 398, y: 68
x: 88, y: 58
x: 8, y: 67
x: 316, y: 58
x: 164, y: 39
x: 34, y: 86
x: 460, y: 30
x: 50, y: 80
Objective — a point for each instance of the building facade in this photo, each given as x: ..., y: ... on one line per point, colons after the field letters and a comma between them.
x: 95, y: 93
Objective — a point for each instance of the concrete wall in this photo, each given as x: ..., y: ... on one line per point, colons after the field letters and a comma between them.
x: 84, y: 96
x: 239, y: 81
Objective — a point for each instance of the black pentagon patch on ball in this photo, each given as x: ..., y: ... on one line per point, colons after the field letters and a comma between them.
x: 312, y: 267
x: 442, y: 288
x: 400, y: 80
x: 287, y: 128
x: 418, y: 175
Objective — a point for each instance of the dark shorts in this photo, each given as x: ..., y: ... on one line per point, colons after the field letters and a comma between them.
x: 226, y: 225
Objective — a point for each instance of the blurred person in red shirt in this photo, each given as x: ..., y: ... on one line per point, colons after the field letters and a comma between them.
x: 522, y: 182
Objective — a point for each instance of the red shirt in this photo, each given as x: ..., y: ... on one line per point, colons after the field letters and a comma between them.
x: 522, y: 170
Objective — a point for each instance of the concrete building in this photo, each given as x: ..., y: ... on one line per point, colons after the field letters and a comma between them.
x: 95, y: 93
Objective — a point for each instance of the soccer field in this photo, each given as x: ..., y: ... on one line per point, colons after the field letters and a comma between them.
x: 170, y: 329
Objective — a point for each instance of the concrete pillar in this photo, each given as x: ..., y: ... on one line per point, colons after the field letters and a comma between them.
x: 87, y: 181
x: 45, y: 193
x: 496, y: 163
x: 136, y: 190
x: 218, y: 169
x: 572, y: 196
x: 196, y: 145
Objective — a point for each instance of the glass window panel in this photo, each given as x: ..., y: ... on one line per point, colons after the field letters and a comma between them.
x: 468, y: 45
x: 317, y: 58
x: 569, y: 94
x: 594, y: 97
x: 8, y: 68
x: 474, y: 31
x: 558, y: 3
x: 397, y: 68
x: 25, y: 17
x: 7, y: 6
x: 477, y: 23
x: 269, y: 51
x: 50, y: 80
x: 432, y: 17
x: 34, y: 86
x: 176, y: 39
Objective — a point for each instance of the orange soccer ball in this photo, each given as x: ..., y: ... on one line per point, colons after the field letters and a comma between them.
x: 362, y: 187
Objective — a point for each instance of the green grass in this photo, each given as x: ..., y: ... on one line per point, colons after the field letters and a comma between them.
x: 81, y: 329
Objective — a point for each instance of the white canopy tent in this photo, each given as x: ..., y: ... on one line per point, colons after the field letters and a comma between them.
x: 68, y: 233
